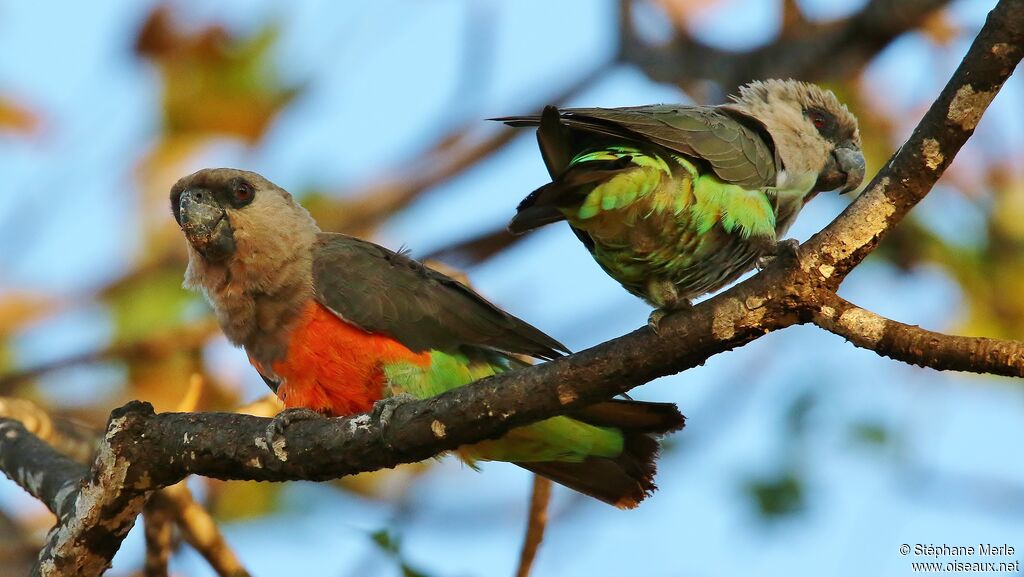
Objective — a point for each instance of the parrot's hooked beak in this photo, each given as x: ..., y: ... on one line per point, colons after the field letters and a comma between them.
x: 844, y: 170
x: 205, y: 224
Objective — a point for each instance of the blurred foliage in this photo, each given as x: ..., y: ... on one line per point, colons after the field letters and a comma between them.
x: 872, y: 433
x: 390, y: 543
x: 17, y: 118
x: 238, y: 500
x: 779, y: 495
x: 214, y: 83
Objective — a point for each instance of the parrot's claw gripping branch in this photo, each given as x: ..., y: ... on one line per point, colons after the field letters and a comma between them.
x: 659, y: 314
x: 384, y: 409
x: 143, y: 451
x: 286, y: 418
x: 787, y: 249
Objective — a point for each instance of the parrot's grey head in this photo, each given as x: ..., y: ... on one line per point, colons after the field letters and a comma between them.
x: 220, y: 209
x: 812, y: 131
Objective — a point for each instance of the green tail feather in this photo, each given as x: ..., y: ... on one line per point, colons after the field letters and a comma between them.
x: 627, y: 478
x: 606, y: 451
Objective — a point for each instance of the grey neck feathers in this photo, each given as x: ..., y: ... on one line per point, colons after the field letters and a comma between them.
x: 259, y: 297
x: 800, y: 147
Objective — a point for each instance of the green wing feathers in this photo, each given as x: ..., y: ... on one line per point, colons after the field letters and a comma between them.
x: 626, y: 184
x: 662, y: 196
x: 606, y: 451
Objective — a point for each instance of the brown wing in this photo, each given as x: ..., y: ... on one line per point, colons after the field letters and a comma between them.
x: 736, y: 146
x: 389, y: 293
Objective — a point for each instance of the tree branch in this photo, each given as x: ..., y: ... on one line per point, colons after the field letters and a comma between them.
x: 70, y: 438
x: 817, y: 51
x: 157, y: 522
x: 159, y: 345
x: 199, y: 529
x: 917, y: 346
x: 173, y: 503
x: 44, y: 473
x: 105, y: 506
x: 535, y: 524
x: 913, y: 170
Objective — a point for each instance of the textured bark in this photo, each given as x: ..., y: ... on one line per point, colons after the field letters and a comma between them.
x: 105, y: 506
x: 910, y: 174
x: 917, y: 346
x: 46, y: 474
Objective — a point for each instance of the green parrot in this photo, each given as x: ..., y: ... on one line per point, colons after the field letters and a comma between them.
x: 337, y: 326
x: 675, y: 201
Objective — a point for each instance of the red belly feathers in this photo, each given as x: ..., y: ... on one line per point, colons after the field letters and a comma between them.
x: 334, y: 367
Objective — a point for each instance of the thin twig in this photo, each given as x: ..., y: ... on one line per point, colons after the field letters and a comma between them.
x: 158, y: 528
x: 445, y: 159
x: 199, y: 529
x: 811, y: 52
x: 154, y: 346
x: 535, y: 524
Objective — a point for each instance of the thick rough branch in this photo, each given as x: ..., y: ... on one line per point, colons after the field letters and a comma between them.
x: 911, y: 173
x: 46, y: 474
x: 917, y: 346
x: 105, y: 507
x: 34, y: 453
x: 813, y: 52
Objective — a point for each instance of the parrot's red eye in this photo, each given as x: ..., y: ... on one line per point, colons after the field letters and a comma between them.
x: 820, y: 120
x: 243, y: 193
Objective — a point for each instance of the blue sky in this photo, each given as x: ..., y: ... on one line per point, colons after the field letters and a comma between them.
x: 382, y: 83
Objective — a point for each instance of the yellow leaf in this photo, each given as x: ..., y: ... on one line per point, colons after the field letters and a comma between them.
x: 17, y: 118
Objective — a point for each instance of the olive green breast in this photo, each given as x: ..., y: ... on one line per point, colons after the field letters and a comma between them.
x: 663, y: 220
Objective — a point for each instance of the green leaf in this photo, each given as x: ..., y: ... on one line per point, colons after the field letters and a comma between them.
x: 779, y: 496
x: 390, y: 543
x: 871, y: 433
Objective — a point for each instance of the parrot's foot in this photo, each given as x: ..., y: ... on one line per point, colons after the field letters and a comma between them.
x: 385, y: 408
x: 786, y: 249
x: 656, y: 316
x: 284, y: 419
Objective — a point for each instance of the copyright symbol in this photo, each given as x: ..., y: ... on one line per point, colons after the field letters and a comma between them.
x: 904, y: 549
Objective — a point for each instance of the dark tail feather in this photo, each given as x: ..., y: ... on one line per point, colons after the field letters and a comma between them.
x: 627, y: 479
x: 519, y: 121
x: 540, y: 207
x: 555, y: 141
x: 530, y: 215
